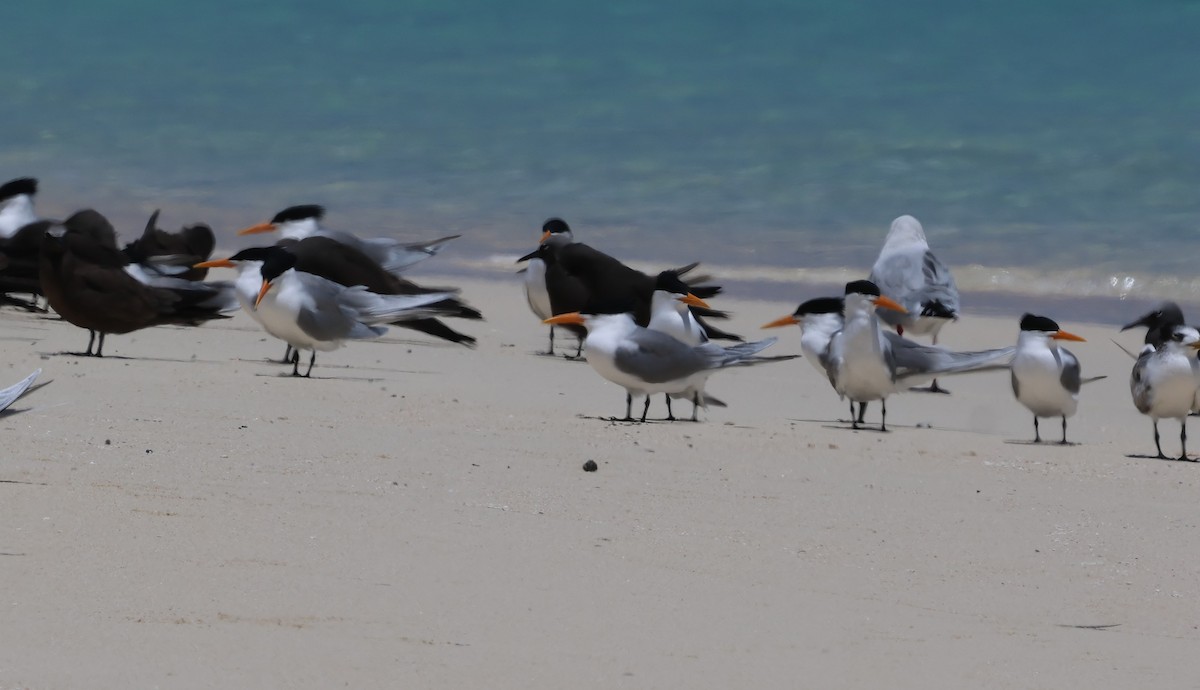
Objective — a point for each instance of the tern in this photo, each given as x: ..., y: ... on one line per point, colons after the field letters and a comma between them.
x: 571, y: 276
x: 1165, y: 378
x: 10, y: 395
x: 644, y: 362
x: 1046, y: 378
x: 1165, y: 314
x: 313, y: 313
x: 299, y: 222
x: 865, y: 362
x: 911, y: 275
x: 1157, y: 322
x: 671, y: 307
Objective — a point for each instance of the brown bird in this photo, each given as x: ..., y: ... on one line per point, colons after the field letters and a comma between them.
x: 89, y: 283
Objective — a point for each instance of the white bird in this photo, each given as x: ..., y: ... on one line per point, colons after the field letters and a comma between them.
x: 865, y: 362
x: 909, y: 273
x: 299, y: 222
x: 10, y: 395
x: 1165, y: 378
x: 671, y: 314
x: 1046, y: 378
x: 312, y: 313
x: 645, y: 362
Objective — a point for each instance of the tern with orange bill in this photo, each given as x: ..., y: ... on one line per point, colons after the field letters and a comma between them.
x: 645, y: 362
x: 312, y: 313
x: 1046, y: 377
x: 865, y: 362
x: 299, y: 222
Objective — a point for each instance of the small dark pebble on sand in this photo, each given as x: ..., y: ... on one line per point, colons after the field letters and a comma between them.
x: 589, y: 466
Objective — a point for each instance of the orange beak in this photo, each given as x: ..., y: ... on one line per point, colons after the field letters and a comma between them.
x: 216, y: 263
x: 262, y: 292
x: 788, y: 320
x: 573, y: 318
x: 889, y: 303
x: 1063, y: 335
x: 693, y: 301
x: 256, y: 229
x: 545, y: 236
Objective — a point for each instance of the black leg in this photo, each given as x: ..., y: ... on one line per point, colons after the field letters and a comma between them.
x: 883, y: 415
x: 1183, y: 439
x: 1064, y: 441
x: 862, y: 413
x: 100, y: 345
x: 670, y: 415
x: 91, y: 338
x: 311, y: 361
x: 296, y: 364
x: 1157, y: 445
x: 579, y: 350
x: 628, y: 407
x: 1037, y: 436
x: 856, y: 420
x: 695, y: 406
x: 551, y: 352
x: 287, y: 355
x: 646, y: 407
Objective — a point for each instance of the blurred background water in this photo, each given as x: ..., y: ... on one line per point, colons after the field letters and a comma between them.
x: 1053, y: 143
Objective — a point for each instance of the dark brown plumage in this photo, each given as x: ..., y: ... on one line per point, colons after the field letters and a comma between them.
x: 83, y: 277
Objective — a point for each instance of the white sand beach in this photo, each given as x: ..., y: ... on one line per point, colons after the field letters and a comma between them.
x: 181, y: 514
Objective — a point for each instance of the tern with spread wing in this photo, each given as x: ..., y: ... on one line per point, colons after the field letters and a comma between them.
x: 10, y: 395
x: 312, y: 313
x: 645, y: 362
x: 299, y: 222
x: 865, y: 362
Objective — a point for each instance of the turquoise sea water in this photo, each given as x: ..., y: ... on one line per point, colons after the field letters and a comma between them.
x: 1055, y: 138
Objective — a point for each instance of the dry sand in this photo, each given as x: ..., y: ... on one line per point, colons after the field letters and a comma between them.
x: 179, y: 515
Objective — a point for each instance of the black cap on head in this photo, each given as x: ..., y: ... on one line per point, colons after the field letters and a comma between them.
x: 821, y: 305
x: 862, y: 287
x: 670, y: 282
x: 1033, y: 322
x: 277, y: 261
x: 555, y: 226
x: 252, y: 254
x: 302, y: 212
x: 21, y: 185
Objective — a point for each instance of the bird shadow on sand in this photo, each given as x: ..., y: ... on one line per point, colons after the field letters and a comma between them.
x: 635, y: 421
x: 1140, y: 456
x: 558, y: 356
x: 318, y: 377
x: 1027, y: 442
x: 127, y: 358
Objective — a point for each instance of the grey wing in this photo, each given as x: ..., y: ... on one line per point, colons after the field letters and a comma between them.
x: 910, y: 359
x: 1139, y: 387
x: 325, y: 318
x: 829, y: 363
x: 898, y: 275
x: 939, y: 284
x: 10, y: 395
x: 657, y: 358
x: 1070, y: 375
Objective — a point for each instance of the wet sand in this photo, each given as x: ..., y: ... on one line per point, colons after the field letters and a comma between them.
x: 179, y: 514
